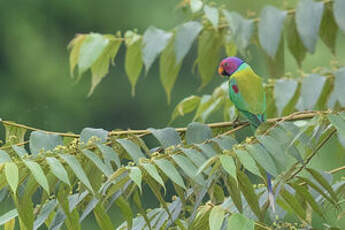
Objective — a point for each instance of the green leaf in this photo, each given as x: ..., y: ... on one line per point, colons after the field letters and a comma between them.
x: 38, y: 174
x: 188, y: 167
x: 167, y: 136
x: 136, y: 176
x: 44, y: 213
x: 241, y: 29
x: 270, y: 29
x: 235, y: 193
x: 308, y: 19
x: 154, y: 42
x: 77, y: 169
x: 338, y: 10
x: 207, y: 164
x: 323, y: 182
x: 294, y: 42
x: 247, y: 161
x: 8, y: 216
x: 109, y: 155
x: 132, y: 149
x: 12, y: 175
x: 238, y: 221
x: 14, y: 131
x: 185, y: 36
x: 98, y: 162
x: 152, y: 171
x: 338, y: 91
x: 185, y: 106
x: 194, y: 155
x: 170, y: 171
x: 293, y: 203
x: 303, y: 192
x: 248, y: 192
x: 338, y: 122
x: 212, y: 15
x: 225, y: 142
x: 43, y: 141
x: 329, y: 29
x: 87, y: 133
x: 195, y: 5
x: 168, y: 68
x: 102, y: 218
x: 216, y: 218
x: 197, y: 133
x: 75, y: 45
x: 125, y: 210
x: 311, y: 90
x: 100, y: 68
x: 230, y: 48
x: 228, y: 164
x: 209, y: 46
x: 90, y: 50
x: 58, y: 170
x: 4, y: 157
x: 284, y: 91
x: 208, y: 105
x: 19, y: 150
x: 133, y: 59
x: 263, y: 158
x: 276, y: 65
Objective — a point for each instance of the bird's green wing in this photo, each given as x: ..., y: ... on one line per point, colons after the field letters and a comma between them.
x: 250, y: 94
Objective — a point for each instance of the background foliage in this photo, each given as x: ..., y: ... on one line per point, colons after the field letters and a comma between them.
x: 200, y: 175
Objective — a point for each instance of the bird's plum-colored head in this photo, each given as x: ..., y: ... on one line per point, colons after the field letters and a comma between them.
x: 229, y: 65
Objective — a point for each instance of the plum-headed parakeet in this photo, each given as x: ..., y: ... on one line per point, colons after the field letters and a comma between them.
x: 247, y: 94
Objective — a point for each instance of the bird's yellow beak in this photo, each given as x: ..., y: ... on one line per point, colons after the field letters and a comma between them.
x: 221, y: 70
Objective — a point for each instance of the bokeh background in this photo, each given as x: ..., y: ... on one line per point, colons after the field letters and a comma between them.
x: 35, y: 84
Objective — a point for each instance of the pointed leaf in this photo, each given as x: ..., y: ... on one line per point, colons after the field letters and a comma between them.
x: 136, y: 176
x: 212, y: 15
x: 38, y: 174
x: 125, y: 210
x: 270, y: 29
x: 58, y: 170
x: 100, y: 68
x: 195, y: 5
x: 12, y: 175
x: 90, y: 50
x: 293, y: 203
x: 102, y: 218
x: 188, y: 167
x: 152, y: 171
x: 329, y: 29
x: 43, y: 141
x: 311, y: 90
x: 77, y: 169
x: 228, y: 164
x: 247, y: 161
x: 170, y: 171
x: 338, y: 92
x: 75, y: 45
x: 168, y: 68
x: 167, y: 136
x: 87, y: 133
x: 19, y: 150
x: 154, y: 42
x: 133, y: 59
x: 185, y: 106
x: 241, y: 29
x: 216, y: 218
x: 4, y: 157
x: 132, y: 149
x: 209, y: 45
x: 197, y: 133
x: 238, y: 221
x: 44, y: 213
x: 294, y: 42
x: 98, y: 162
x: 323, y: 182
x: 185, y: 36
x: 284, y: 91
x: 8, y: 216
x: 308, y: 19
x: 338, y: 10
x: 109, y: 155
x: 194, y: 155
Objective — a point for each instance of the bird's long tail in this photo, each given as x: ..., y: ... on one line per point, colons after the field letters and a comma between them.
x: 270, y: 192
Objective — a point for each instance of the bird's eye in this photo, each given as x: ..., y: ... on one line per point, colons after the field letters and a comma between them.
x: 226, y: 64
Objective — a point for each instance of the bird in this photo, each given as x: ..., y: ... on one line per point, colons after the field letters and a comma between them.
x: 247, y: 93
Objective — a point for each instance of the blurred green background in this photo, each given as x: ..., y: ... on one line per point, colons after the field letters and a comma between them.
x: 36, y: 88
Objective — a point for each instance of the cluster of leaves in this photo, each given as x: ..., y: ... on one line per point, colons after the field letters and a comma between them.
x: 316, y: 91
x: 215, y: 29
x: 64, y: 179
